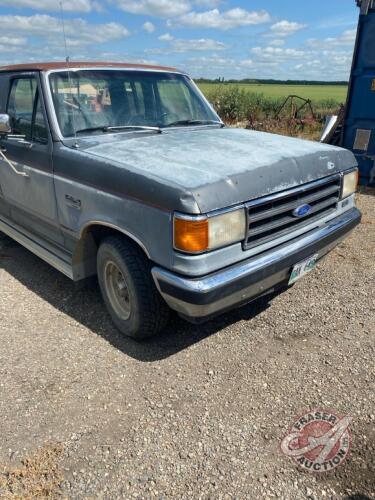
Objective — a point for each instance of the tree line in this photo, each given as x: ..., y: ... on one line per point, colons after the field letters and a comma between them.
x: 270, y: 81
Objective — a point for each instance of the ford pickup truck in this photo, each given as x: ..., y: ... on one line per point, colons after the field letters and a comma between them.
x: 127, y: 173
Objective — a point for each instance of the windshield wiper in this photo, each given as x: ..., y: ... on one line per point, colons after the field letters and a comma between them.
x: 90, y: 129
x: 133, y: 127
x: 194, y: 122
x: 119, y: 127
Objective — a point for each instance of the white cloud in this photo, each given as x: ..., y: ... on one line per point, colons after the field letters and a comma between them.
x: 208, y: 4
x: 274, y: 62
x: 215, y: 66
x: 337, y: 22
x: 216, y: 60
x: 157, y: 8
x: 327, y: 65
x: 53, y: 5
x: 276, y: 54
x: 278, y: 42
x: 13, y: 41
x: 149, y: 27
x: 285, y: 28
x: 167, y: 37
x: 347, y: 38
x: 229, y: 19
x: 179, y: 46
x: 12, y: 45
x: 311, y: 63
x: 39, y: 37
x: 247, y: 63
x: 78, y: 31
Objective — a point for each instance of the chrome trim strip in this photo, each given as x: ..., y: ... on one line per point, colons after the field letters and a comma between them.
x: 37, y: 249
x: 113, y: 226
x: 50, y: 106
x: 114, y: 68
x: 190, y: 218
x: 208, y: 215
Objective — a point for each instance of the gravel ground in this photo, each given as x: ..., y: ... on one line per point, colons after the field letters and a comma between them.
x: 198, y: 412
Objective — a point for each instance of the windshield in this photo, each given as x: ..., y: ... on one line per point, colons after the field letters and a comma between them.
x: 95, y: 100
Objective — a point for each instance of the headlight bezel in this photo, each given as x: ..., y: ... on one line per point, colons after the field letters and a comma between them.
x: 352, y: 174
x: 209, y: 219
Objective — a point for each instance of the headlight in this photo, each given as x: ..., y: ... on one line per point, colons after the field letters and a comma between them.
x: 349, y: 184
x: 202, y: 233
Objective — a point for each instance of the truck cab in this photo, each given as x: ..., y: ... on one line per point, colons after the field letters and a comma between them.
x: 127, y: 173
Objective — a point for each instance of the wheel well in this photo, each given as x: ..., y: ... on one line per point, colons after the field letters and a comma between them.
x: 99, y: 232
x: 84, y: 258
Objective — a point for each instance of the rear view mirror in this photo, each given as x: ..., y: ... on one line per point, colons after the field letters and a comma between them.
x: 5, y: 127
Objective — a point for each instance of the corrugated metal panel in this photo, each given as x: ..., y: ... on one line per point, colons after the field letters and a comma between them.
x: 359, y: 127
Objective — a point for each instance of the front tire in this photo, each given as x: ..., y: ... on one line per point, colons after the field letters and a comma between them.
x: 128, y: 290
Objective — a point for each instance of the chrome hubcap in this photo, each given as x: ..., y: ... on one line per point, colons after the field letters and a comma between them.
x: 117, y: 290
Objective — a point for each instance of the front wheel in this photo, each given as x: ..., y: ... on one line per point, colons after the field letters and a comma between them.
x: 128, y: 290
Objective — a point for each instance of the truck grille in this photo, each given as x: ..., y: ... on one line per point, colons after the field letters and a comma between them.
x: 272, y: 217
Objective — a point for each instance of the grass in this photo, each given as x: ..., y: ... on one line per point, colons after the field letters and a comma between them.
x: 260, y: 107
x: 317, y: 93
x: 37, y: 477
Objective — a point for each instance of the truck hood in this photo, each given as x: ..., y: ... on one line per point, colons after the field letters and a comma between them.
x: 197, y: 170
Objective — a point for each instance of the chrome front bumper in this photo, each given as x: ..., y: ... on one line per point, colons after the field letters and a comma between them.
x: 203, y: 297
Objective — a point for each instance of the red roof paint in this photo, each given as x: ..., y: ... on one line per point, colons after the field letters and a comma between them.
x: 63, y: 65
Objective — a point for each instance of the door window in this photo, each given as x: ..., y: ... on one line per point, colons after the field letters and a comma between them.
x: 25, y: 110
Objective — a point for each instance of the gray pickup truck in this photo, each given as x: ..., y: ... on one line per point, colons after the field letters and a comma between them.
x: 126, y: 172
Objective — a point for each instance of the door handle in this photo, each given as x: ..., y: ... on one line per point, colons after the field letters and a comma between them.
x: 28, y: 144
x: 18, y: 172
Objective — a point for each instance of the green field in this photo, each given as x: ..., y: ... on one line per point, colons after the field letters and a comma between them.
x: 314, y: 92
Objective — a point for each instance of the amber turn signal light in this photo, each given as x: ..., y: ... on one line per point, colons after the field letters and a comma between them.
x: 191, y: 235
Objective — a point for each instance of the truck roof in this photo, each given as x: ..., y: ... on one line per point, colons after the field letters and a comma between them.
x: 47, y: 66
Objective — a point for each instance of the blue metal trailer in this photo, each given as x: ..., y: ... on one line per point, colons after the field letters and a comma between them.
x: 358, y: 131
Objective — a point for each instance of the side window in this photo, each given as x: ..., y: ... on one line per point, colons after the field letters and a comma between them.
x: 21, y: 105
x: 25, y: 110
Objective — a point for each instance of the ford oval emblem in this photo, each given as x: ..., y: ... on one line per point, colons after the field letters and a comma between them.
x: 302, y: 211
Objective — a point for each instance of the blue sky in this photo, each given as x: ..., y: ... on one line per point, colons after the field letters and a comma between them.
x: 209, y: 38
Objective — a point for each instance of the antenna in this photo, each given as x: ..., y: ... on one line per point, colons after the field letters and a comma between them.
x: 67, y: 60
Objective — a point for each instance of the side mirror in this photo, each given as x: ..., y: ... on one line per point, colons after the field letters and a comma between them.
x: 5, y: 127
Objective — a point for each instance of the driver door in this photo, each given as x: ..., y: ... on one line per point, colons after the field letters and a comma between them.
x: 29, y: 188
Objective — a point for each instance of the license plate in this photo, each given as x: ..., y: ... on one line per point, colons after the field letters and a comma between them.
x: 301, y: 269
